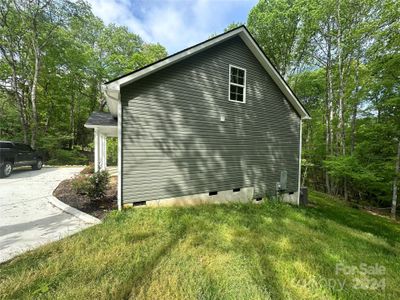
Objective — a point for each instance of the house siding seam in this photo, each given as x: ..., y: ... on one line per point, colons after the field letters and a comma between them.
x: 174, y: 142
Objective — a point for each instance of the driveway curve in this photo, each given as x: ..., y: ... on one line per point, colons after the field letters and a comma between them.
x: 27, y: 219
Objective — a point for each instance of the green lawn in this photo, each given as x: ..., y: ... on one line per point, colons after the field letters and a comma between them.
x: 239, y: 251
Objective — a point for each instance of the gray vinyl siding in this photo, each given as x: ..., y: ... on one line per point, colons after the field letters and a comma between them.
x: 174, y: 144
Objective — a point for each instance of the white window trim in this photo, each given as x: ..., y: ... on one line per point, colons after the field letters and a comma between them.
x: 243, y: 86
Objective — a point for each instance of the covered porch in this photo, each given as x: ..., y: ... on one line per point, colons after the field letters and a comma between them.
x: 105, y: 125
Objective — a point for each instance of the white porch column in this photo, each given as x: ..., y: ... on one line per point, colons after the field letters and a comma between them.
x: 100, y: 150
x: 103, y: 157
x: 96, y: 149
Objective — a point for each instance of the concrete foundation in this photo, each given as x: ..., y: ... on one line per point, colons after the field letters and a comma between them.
x: 244, y: 195
x: 291, y: 198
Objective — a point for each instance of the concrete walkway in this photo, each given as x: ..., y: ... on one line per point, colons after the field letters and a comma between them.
x: 27, y: 219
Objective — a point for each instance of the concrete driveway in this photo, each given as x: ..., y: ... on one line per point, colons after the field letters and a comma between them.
x: 27, y: 219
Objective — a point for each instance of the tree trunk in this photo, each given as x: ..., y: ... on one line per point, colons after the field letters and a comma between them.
x: 35, y: 122
x: 353, y: 127
x: 395, y: 180
x: 329, y: 105
x: 72, y: 122
x: 21, y: 106
x: 355, y: 108
x: 342, y: 133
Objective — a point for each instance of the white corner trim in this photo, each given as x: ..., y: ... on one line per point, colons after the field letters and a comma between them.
x: 96, y: 149
x: 119, y: 155
x: 73, y: 211
x: 300, y: 145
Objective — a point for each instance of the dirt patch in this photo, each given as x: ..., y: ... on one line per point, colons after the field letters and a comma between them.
x: 97, y: 208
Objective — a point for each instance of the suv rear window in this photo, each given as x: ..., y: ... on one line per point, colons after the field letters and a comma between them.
x: 5, y: 145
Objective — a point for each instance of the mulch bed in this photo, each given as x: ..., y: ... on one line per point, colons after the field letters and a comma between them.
x: 97, y: 208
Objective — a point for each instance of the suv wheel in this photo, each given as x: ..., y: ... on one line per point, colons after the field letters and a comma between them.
x: 38, y: 165
x: 6, y: 169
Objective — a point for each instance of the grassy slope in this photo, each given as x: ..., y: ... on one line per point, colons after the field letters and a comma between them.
x: 209, y: 252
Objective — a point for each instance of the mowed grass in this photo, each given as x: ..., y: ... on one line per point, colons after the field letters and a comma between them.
x: 238, y: 251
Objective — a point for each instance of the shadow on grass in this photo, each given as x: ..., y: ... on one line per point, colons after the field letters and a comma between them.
x: 212, y: 251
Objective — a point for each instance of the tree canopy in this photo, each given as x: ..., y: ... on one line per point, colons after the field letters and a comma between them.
x: 54, y: 56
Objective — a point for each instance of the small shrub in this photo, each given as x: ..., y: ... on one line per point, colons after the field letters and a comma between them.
x: 94, y: 185
x: 98, y: 184
x: 81, y: 184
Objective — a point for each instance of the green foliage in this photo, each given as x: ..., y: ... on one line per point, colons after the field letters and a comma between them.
x: 232, y: 26
x: 349, y: 167
x: 94, y: 185
x: 98, y: 183
x: 78, y: 53
x: 342, y: 61
x: 279, y: 26
x: 67, y: 157
x: 112, y: 151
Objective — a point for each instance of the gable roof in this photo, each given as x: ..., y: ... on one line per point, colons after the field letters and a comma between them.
x: 250, y: 42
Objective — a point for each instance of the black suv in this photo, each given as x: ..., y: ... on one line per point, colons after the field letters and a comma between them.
x: 16, y: 155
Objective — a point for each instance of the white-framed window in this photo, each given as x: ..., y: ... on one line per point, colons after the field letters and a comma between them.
x: 237, y: 84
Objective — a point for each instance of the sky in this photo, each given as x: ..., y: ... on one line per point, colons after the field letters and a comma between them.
x: 175, y: 24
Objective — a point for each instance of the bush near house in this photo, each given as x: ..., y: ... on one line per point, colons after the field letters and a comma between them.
x: 236, y: 251
x: 94, y: 185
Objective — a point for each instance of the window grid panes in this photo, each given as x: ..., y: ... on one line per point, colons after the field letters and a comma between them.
x: 237, y: 84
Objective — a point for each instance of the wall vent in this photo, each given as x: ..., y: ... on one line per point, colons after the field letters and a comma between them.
x: 213, y: 193
x: 236, y: 190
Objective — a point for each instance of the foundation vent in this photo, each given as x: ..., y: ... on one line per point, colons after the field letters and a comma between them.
x: 213, y: 193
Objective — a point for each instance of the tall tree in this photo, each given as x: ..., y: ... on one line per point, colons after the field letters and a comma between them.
x: 279, y: 27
